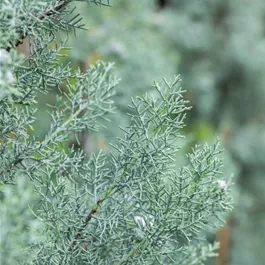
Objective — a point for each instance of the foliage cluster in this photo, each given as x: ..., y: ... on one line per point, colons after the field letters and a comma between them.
x: 131, y: 207
x: 218, y: 47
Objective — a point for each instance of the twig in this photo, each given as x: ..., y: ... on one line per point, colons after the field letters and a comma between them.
x: 22, y: 35
x: 88, y: 218
x: 61, y: 4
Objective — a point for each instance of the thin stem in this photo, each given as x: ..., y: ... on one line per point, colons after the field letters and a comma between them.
x: 22, y: 35
x: 88, y: 218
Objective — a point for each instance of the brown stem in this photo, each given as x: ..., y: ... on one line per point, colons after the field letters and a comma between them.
x: 88, y: 218
x: 59, y: 6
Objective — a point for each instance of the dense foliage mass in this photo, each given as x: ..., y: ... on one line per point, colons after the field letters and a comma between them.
x: 218, y: 47
x: 132, y: 206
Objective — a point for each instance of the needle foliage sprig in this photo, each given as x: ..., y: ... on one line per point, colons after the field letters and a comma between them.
x: 133, y: 206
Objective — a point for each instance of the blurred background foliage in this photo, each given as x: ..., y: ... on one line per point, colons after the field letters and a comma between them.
x: 218, y: 47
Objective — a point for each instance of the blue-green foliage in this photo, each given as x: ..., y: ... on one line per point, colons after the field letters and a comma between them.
x: 218, y: 47
x: 131, y: 207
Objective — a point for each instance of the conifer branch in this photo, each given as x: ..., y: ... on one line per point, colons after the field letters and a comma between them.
x: 149, y: 212
x: 88, y: 218
x: 58, y: 7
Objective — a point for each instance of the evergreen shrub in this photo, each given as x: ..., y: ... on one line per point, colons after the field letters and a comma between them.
x: 132, y: 206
